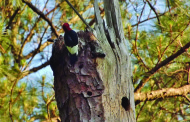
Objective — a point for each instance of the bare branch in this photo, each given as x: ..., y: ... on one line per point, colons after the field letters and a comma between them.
x: 11, y: 19
x: 136, y: 38
x: 151, y: 18
x: 188, y: 99
x: 36, y: 50
x: 79, y: 15
x: 168, y: 3
x: 35, y: 69
x: 28, y: 38
x: 32, y: 33
x: 43, y: 16
x: 152, y: 7
x: 166, y: 92
x: 101, y: 13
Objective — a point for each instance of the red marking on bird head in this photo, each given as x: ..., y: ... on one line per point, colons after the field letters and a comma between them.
x: 66, y: 27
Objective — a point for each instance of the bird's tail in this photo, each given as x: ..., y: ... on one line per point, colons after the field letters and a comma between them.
x: 73, y: 59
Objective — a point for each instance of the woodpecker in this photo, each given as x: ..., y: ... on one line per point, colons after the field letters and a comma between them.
x: 71, y: 42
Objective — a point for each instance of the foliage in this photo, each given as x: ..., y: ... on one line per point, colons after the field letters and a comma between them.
x: 150, y: 45
x: 153, y: 36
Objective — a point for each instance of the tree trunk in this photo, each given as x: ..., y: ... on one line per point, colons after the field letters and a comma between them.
x: 97, y: 88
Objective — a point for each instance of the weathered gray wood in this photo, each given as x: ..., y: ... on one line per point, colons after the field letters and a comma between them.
x: 115, y: 69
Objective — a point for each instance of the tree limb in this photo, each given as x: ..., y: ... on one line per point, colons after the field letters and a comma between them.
x: 152, y: 7
x: 166, y: 92
x: 93, y: 20
x: 36, y: 50
x: 151, y: 18
x: 161, y: 64
x: 32, y: 33
x: 43, y: 16
x: 79, y: 15
x: 25, y: 73
x: 11, y: 20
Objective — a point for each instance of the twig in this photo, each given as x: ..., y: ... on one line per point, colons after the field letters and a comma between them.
x: 152, y: 7
x: 151, y: 18
x: 38, y: 48
x: 41, y: 48
x: 79, y: 15
x: 2, y: 49
x: 11, y: 99
x: 168, y: 5
x: 141, y: 109
x: 34, y: 69
x: 188, y: 75
x: 31, y: 32
x: 11, y: 20
x: 39, y: 67
x: 188, y: 99
x: 136, y: 38
x: 161, y: 64
x: 43, y: 16
x: 93, y: 20
x: 173, y: 41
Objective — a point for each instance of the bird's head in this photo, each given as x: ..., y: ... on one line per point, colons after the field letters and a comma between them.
x: 66, y: 27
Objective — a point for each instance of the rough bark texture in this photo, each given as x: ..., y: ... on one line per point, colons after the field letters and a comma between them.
x: 115, y: 69
x: 78, y: 89
x: 97, y: 88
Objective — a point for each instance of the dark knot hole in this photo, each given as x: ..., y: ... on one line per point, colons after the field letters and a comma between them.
x: 125, y: 103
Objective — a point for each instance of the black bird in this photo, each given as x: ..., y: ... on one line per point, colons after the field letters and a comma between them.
x: 71, y: 42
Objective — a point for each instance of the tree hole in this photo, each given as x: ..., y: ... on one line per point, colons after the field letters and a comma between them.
x: 125, y: 103
x: 89, y: 93
x: 81, y: 66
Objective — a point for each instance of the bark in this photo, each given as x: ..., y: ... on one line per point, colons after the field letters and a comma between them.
x: 99, y: 87
x: 78, y: 89
x: 163, y: 93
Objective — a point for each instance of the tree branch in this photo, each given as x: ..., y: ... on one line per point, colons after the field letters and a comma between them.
x: 166, y: 92
x: 167, y: 60
x: 161, y: 64
x: 93, y: 20
x: 43, y: 16
x: 151, y: 17
x: 136, y: 52
x: 152, y: 7
x: 36, y: 50
x: 25, y: 73
x: 79, y: 15
x: 32, y: 33
x: 11, y: 19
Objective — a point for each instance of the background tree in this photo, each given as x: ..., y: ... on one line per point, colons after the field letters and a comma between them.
x: 158, y: 35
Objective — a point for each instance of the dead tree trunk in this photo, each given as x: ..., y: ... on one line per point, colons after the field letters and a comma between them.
x: 97, y: 88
